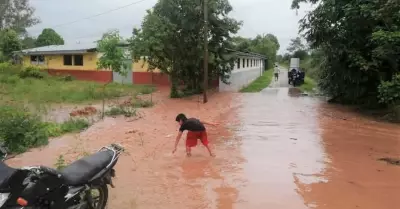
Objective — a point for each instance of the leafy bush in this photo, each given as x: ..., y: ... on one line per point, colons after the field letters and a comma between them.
x: 142, y: 103
x: 21, y: 130
x: 389, y: 91
x: 126, y: 111
x: 9, y: 79
x: 147, y: 90
x: 4, y: 66
x: 33, y: 72
x: 72, y: 125
x: 7, y: 68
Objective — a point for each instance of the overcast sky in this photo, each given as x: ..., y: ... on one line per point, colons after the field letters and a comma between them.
x: 258, y: 16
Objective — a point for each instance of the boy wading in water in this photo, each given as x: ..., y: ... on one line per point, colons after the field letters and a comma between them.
x: 196, y: 130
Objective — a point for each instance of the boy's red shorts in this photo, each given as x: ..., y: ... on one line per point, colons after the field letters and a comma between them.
x: 193, y: 136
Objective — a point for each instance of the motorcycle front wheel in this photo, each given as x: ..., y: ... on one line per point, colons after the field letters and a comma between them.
x: 98, y: 197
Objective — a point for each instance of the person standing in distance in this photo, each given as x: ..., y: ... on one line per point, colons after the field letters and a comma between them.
x: 276, y: 72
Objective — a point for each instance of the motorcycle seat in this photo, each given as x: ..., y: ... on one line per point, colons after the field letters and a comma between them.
x: 84, y: 169
x: 5, y: 173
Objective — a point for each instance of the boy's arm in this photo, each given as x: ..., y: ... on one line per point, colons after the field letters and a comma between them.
x: 208, y: 123
x: 178, y: 137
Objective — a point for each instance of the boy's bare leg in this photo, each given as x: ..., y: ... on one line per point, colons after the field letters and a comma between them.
x: 188, y: 151
x: 209, y: 150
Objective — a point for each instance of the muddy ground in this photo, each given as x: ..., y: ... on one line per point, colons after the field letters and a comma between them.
x: 275, y: 149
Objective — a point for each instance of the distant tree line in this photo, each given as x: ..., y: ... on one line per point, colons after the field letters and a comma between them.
x: 15, y: 17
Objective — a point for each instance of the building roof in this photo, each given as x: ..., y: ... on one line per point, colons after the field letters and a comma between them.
x: 91, y: 47
x: 62, y: 49
x: 248, y: 54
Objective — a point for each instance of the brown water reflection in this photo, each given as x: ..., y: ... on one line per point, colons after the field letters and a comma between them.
x: 356, y: 178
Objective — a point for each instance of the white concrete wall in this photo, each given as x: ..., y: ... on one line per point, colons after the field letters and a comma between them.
x: 242, y: 76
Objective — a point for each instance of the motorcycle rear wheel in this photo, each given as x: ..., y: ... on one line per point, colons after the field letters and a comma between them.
x: 99, y: 196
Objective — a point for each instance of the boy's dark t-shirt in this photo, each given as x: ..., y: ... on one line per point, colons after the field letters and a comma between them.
x: 192, y: 124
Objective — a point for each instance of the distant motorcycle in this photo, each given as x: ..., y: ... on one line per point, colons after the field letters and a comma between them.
x: 296, y: 77
x: 80, y: 185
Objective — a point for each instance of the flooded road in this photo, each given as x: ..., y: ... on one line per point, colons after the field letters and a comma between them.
x: 275, y: 149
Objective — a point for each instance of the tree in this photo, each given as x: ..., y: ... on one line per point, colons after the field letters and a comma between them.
x: 274, y: 39
x: 266, y: 45
x: 241, y: 44
x: 17, y: 15
x: 9, y: 43
x: 171, y: 39
x: 112, y: 55
x: 262, y: 44
x: 360, y: 44
x: 28, y: 42
x: 49, y: 37
x: 296, y: 45
x: 301, y: 54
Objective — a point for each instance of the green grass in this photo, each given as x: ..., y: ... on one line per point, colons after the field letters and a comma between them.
x: 127, y: 111
x: 50, y: 89
x: 69, y: 126
x: 260, y: 83
x: 309, y: 85
x: 284, y: 64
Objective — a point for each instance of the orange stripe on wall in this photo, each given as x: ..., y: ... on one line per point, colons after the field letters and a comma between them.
x: 85, y: 75
x: 151, y: 78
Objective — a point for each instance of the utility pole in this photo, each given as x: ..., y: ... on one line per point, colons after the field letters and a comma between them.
x: 205, y: 85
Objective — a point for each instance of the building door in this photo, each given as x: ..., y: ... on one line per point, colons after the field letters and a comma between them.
x: 128, y: 79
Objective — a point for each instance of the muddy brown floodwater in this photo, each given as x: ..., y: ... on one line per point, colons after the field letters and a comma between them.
x: 274, y: 150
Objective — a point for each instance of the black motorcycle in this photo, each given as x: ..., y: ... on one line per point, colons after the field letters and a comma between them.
x: 80, y: 185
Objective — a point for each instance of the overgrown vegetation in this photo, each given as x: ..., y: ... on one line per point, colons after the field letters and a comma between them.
x: 20, y: 129
x: 308, y: 85
x: 260, y: 83
x: 359, y: 44
x: 129, y: 108
x: 35, y: 86
x: 69, y: 126
x: 125, y: 110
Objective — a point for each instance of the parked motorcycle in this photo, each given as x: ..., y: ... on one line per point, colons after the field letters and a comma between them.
x: 80, y: 185
x: 295, y: 77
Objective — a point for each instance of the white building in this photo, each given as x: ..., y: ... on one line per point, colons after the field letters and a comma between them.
x: 248, y: 67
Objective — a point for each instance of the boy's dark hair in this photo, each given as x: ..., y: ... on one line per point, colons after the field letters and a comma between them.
x: 181, y: 117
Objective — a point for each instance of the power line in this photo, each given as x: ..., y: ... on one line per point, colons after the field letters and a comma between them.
x: 96, y: 15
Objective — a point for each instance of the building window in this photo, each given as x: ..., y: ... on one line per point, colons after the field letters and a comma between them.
x: 67, y: 59
x: 78, y: 60
x: 247, y: 62
x: 238, y: 63
x: 37, y: 59
x: 244, y: 63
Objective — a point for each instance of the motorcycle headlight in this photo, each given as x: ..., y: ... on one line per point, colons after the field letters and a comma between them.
x: 3, y: 198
